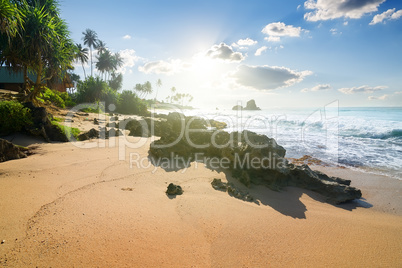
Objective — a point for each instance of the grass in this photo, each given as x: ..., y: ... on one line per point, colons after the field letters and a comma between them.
x: 69, y: 131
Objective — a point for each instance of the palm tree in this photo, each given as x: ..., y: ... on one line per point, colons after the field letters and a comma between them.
x: 104, y: 63
x: 101, y: 47
x: 158, y: 85
x: 91, y: 40
x: 117, y: 61
x: 144, y: 89
x: 10, y: 18
x: 82, y: 56
x: 173, y: 89
x: 42, y: 45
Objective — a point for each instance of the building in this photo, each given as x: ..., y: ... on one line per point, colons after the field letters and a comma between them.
x: 13, y: 81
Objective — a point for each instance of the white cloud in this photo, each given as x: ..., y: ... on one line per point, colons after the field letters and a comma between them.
x: 225, y: 53
x: 330, y: 9
x: 390, y: 14
x: 383, y: 97
x: 164, y: 67
x: 273, y: 38
x: 266, y: 77
x: 281, y: 29
x: 334, y: 31
x: 260, y: 50
x: 317, y: 88
x: 246, y: 42
x: 127, y: 37
x: 345, y: 23
x: 129, y: 59
x: 364, y: 89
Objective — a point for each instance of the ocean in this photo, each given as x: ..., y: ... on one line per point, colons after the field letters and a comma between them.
x: 368, y: 139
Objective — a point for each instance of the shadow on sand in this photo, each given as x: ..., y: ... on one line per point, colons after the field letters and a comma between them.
x: 287, y: 201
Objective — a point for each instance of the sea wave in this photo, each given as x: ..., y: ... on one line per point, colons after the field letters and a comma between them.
x: 392, y: 134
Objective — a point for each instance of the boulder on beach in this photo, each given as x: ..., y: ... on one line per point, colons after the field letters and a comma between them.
x: 91, y: 134
x: 9, y: 151
x: 174, y: 189
x: 250, y: 157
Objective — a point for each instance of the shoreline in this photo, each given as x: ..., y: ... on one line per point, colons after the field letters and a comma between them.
x: 74, y: 211
x: 70, y: 206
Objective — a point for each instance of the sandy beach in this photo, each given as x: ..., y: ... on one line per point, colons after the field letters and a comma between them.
x: 66, y: 206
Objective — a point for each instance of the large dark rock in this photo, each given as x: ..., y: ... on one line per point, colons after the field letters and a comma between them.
x: 250, y: 157
x: 9, y: 151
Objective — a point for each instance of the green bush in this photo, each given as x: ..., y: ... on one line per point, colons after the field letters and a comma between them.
x: 69, y: 131
x: 90, y: 90
x: 14, y: 116
x: 67, y: 99
x: 54, y: 97
x: 95, y: 90
x: 129, y: 103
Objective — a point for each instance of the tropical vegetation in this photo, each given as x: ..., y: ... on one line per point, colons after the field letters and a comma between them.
x: 35, y: 39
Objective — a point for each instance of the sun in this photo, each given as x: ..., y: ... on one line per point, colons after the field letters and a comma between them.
x: 205, y: 68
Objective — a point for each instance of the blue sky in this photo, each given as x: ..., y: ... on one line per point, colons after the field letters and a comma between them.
x: 280, y: 53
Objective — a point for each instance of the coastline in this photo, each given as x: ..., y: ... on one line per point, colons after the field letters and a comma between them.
x: 77, y: 211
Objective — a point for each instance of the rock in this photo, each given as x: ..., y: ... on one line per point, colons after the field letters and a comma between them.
x: 217, y: 184
x: 42, y: 125
x: 104, y: 133
x: 250, y: 106
x: 3, y: 241
x: 9, y: 151
x: 91, y: 134
x: 217, y: 124
x: 251, y: 158
x: 237, y: 107
x: 173, y: 189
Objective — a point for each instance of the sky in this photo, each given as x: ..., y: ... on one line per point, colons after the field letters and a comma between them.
x: 280, y: 53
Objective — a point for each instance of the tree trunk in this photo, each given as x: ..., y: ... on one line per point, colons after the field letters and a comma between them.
x: 84, y: 71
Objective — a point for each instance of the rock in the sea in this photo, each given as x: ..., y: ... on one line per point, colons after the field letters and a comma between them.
x: 250, y: 106
x: 174, y: 189
x: 9, y: 151
x: 237, y: 107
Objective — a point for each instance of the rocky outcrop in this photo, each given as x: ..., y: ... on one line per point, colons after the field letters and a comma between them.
x: 250, y: 157
x: 42, y: 125
x: 9, y: 151
x: 251, y: 106
x: 232, y: 190
x: 91, y: 134
x: 174, y: 189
